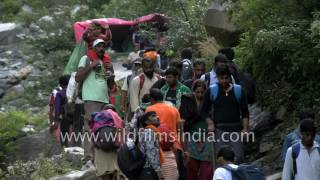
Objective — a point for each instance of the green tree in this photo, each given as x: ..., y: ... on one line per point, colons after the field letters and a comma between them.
x: 280, y: 47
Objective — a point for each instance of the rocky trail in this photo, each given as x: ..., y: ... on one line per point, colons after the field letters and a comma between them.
x: 17, y: 76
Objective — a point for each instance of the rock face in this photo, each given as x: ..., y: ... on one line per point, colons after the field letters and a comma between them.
x: 89, y: 174
x: 15, y: 74
x: 30, y: 147
x: 259, y: 120
x: 218, y: 24
x: 20, y: 75
x: 74, y: 155
x: 8, y: 33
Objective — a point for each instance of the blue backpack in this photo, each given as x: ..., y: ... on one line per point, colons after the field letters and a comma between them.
x: 295, y: 154
x: 245, y: 172
x: 214, y: 89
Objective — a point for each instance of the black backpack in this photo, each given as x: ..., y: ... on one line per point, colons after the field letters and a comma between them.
x: 130, y: 162
x: 245, y: 172
x: 105, y: 139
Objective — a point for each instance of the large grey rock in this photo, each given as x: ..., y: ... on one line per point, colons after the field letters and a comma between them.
x: 30, y: 147
x: 218, y: 24
x: 259, y: 119
x: 89, y: 174
x: 8, y: 32
x: 19, y: 89
x: 20, y: 74
x: 265, y: 146
x: 74, y: 155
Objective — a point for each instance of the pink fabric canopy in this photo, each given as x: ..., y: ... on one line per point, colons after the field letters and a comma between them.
x: 80, y: 27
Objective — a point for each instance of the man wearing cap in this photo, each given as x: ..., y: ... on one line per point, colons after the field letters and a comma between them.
x: 92, y: 73
x: 142, y: 83
x: 134, y: 55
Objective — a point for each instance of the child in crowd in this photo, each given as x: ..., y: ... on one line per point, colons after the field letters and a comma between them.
x: 150, y: 146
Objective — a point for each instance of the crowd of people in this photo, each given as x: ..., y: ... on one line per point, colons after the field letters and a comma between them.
x: 179, y: 99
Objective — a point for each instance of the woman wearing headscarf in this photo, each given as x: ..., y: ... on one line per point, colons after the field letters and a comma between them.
x: 199, y: 151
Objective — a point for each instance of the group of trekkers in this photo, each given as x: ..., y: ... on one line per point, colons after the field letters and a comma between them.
x: 154, y: 101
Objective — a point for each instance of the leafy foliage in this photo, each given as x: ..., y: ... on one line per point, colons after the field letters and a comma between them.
x: 280, y: 47
x: 12, y: 123
x: 185, y: 17
x: 40, y: 169
x: 51, y: 38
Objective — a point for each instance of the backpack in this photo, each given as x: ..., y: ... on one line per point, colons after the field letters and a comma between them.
x: 142, y: 79
x: 106, y: 134
x: 214, y: 90
x: 130, y: 161
x: 245, y: 172
x: 294, y: 155
x: 187, y: 70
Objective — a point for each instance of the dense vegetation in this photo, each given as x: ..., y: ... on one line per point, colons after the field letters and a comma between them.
x: 280, y: 46
x: 49, y: 41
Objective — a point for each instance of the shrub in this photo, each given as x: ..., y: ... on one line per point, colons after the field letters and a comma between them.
x: 280, y: 47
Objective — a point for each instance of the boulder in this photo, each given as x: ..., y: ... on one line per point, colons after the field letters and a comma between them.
x: 265, y: 147
x: 259, y: 120
x: 8, y: 32
x: 218, y: 24
x: 30, y: 147
x: 20, y: 74
x: 74, y: 155
x: 89, y: 174
x: 19, y: 89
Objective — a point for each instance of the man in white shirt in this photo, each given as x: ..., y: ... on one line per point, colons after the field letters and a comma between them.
x: 303, y: 159
x: 125, y: 92
x: 72, y: 94
x: 142, y: 83
x: 225, y: 158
